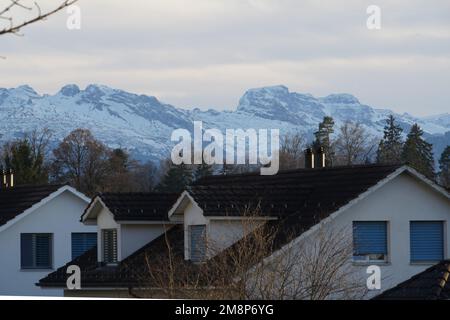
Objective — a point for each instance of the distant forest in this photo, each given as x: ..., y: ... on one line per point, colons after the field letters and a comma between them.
x: 90, y: 166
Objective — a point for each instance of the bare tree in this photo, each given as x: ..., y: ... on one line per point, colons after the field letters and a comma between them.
x: 256, y: 267
x: 9, y: 10
x: 353, y: 144
x: 40, y: 140
x: 82, y: 161
x: 291, y: 151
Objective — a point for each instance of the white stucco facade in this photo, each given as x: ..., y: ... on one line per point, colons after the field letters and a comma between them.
x: 220, y: 232
x: 400, y: 201
x: 131, y: 236
x: 59, y: 216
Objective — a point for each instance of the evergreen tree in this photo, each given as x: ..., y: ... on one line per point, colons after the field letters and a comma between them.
x: 202, y: 170
x: 390, y: 147
x: 176, y: 179
x: 323, y: 139
x: 444, y: 166
x: 26, y: 163
x: 418, y: 153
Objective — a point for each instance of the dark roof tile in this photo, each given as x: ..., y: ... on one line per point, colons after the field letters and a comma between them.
x: 149, y: 206
x: 431, y: 284
x: 15, y: 200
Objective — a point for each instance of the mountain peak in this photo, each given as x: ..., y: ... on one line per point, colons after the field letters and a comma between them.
x: 97, y: 88
x: 340, y: 98
x: 277, y: 89
x: 26, y: 89
x: 70, y: 90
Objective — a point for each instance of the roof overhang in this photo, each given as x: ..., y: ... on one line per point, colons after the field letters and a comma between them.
x: 180, y: 205
x: 43, y: 202
x: 90, y: 214
x: 177, y: 211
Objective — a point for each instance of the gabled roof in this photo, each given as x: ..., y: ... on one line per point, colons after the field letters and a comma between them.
x: 304, y: 191
x: 18, y: 200
x: 150, y: 206
x: 431, y: 284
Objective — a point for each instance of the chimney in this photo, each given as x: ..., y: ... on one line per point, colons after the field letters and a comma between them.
x: 309, y: 158
x: 7, y: 179
x: 11, y: 178
x: 320, y: 159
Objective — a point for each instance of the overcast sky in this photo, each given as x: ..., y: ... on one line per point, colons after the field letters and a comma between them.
x: 207, y: 53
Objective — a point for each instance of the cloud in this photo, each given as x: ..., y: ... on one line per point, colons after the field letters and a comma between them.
x: 206, y: 53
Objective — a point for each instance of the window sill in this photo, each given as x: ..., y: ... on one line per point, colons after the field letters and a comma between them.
x: 36, y: 269
x: 370, y: 263
x: 423, y: 263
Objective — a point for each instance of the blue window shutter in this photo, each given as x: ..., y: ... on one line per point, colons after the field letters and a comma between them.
x: 43, y: 251
x: 426, y: 241
x: 198, y: 242
x: 82, y: 242
x: 36, y: 250
x: 369, y: 237
x: 26, y: 250
x: 109, y: 239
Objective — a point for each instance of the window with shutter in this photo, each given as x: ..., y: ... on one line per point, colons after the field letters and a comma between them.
x: 36, y: 250
x: 426, y: 241
x: 370, y: 241
x: 109, y: 244
x: 82, y: 242
x: 197, y: 243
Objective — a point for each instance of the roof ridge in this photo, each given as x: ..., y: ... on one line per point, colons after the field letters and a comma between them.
x: 299, y: 170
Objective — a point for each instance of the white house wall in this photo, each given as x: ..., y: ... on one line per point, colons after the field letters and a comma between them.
x: 221, y: 233
x: 130, y: 237
x: 400, y: 201
x: 135, y: 236
x: 61, y: 217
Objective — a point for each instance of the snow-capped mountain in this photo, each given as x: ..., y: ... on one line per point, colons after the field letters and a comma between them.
x: 143, y: 125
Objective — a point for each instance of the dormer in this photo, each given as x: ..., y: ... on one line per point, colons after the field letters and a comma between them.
x: 208, y: 232
x: 126, y: 222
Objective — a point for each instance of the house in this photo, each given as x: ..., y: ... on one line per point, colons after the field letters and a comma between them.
x: 396, y: 218
x: 127, y: 225
x: 431, y: 284
x: 39, y: 231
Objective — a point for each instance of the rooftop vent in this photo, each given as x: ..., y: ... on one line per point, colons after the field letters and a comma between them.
x: 315, y: 158
x: 7, y: 180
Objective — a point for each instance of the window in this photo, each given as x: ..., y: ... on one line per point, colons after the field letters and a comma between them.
x: 109, y: 243
x: 82, y: 242
x: 426, y: 241
x: 197, y: 243
x: 370, y: 241
x: 36, y: 250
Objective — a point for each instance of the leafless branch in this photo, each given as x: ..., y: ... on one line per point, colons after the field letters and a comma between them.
x: 14, y: 27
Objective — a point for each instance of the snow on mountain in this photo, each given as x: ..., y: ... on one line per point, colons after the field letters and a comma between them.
x: 143, y: 125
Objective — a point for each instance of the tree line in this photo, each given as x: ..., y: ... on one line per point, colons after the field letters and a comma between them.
x: 354, y: 145
x: 90, y: 166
